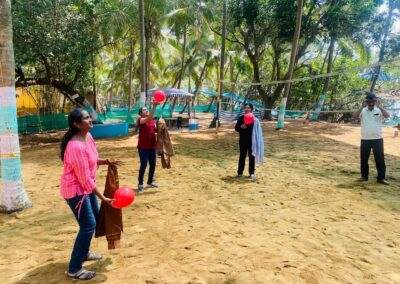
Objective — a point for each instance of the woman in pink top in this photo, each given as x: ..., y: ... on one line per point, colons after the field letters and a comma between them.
x: 78, y: 187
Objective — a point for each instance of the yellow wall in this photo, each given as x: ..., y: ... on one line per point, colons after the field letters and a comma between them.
x: 26, y: 102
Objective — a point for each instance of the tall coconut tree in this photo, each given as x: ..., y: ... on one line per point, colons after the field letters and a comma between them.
x: 13, y: 195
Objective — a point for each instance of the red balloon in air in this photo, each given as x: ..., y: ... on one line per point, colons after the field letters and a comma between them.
x: 248, y: 118
x: 159, y: 96
x: 124, y: 196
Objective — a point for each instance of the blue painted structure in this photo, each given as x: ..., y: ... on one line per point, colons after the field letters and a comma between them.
x: 108, y: 130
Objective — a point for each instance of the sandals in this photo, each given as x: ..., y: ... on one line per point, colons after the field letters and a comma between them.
x: 92, y: 256
x: 82, y: 274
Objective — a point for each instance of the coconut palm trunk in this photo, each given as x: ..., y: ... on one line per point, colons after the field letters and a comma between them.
x: 143, y: 80
x: 222, y: 64
x: 295, y: 43
x: 131, y: 59
x: 13, y: 196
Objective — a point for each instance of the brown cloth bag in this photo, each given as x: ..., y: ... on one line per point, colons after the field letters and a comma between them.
x: 164, y: 145
x: 109, y: 222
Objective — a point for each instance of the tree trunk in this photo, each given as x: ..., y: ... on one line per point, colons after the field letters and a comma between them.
x: 143, y: 80
x: 324, y: 62
x: 279, y: 88
x: 386, y: 31
x: 111, y: 92
x: 295, y: 43
x: 321, y: 100
x: 222, y: 64
x: 13, y: 195
x: 256, y: 78
x: 131, y: 59
x: 148, y: 59
x: 94, y: 89
x: 63, y: 104
x: 201, y: 79
x: 232, y: 75
x: 187, y: 101
x: 183, y: 65
x: 199, y: 83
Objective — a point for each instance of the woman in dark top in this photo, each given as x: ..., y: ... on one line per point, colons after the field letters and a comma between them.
x: 147, y: 145
x: 245, y: 136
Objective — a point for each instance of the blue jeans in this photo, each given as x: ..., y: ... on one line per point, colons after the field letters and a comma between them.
x: 147, y: 156
x: 87, y: 226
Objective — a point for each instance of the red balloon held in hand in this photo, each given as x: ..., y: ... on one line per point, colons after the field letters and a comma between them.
x: 124, y: 196
x: 159, y: 96
x: 249, y: 118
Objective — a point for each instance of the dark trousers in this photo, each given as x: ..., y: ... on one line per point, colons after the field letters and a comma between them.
x: 377, y: 146
x: 147, y: 156
x: 88, y: 212
x: 245, y: 150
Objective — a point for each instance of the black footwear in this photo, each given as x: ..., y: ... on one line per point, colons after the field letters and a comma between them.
x: 383, y: 181
x: 363, y: 179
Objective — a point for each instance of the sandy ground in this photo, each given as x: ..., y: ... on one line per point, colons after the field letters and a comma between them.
x: 305, y: 220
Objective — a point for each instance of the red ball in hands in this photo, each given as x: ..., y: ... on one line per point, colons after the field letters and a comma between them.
x: 249, y: 118
x: 124, y: 196
x: 159, y: 96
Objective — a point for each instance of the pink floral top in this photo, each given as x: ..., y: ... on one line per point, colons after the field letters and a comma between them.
x: 80, y: 165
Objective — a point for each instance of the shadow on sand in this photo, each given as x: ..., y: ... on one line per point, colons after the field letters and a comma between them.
x: 55, y: 272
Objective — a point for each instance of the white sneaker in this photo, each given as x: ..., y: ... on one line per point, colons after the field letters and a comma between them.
x: 253, y: 177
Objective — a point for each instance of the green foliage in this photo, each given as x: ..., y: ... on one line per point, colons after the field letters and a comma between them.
x: 75, y: 45
x: 55, y: 39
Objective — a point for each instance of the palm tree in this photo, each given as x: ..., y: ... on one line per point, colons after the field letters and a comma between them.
x: 13, y: 195
x: 154, y: 11
x: 186, y: 22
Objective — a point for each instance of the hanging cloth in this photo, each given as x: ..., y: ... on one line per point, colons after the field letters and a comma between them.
x: 164, y: 145
x: 109, y: 222
x: 257, y: 145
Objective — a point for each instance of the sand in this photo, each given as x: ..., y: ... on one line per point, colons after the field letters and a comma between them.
x: 305, y: 220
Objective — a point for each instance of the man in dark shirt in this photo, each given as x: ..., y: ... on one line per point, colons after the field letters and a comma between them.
x: 245, y: 136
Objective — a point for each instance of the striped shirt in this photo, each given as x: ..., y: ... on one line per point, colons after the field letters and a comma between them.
x: 80, y: 165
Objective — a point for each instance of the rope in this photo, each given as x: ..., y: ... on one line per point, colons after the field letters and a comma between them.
x: 324, y: 111
x: 302, y: 79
